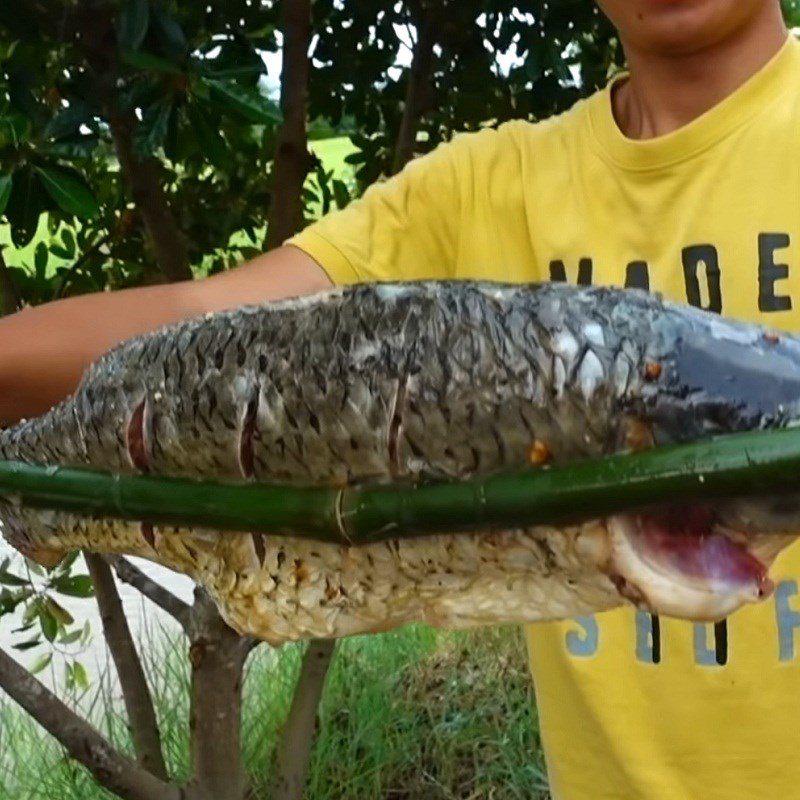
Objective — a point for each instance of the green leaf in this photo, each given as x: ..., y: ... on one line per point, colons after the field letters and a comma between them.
x: 48, y: 623
x: 41, y: 663
x: 9, y: 579
x: 70, y: 191
x: 59, y: 612
x: 74, y: 585
x: 6, y: 182
x: 15, y: 129
x: 40, y: 257
x: 71, y: 637
x: 244, y: 103
x: 133, y: 23
x: 149, y: 62
x: 79, y: 676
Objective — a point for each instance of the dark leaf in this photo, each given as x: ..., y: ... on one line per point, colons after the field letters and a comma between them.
x: 9, y: 579
x: 70, y: 191
x: 170, y: 34
x: 341, y: 194
x: 74, y: 585
x: 69, y: 245
x: 132, y: 24
x: 244, y: 103
x: 152, y: 130
x: 149, y: 62
x: 208, y: 135
x: 5, y: 191
x: 40, y: 257
x: 67, y: 121
x: 48, y: 623
x: 14, y: 129
x: 28, y: 645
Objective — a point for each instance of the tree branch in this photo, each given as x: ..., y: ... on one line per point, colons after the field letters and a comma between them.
x: 294, y: 750
x: 143, y: 179
x: 135, y: 692
x: 418, y: 80
x: 111, y: 769
x: 292, y: 159
x: 163, y: 598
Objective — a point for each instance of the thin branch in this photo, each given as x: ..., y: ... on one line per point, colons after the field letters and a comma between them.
x: 163, y: 598
x: 76, y: 266
x: 135, y: 692
x: 417, y: 89
x: 10, y: 301
x: 116, y: 772
x: 294, y: 750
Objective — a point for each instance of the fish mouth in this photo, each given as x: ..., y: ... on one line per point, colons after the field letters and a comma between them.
x: 683, y: 563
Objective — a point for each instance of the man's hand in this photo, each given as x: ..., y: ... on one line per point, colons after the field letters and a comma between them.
x: 45, y: 350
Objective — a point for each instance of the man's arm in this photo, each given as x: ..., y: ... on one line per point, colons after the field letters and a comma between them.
x: 45, y: 350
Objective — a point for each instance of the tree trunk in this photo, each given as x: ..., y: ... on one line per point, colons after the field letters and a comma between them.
x: 143, y: 180
x: 294, y: 750
x: 135, y: 692
x: 417, y: 89
x: 292, y: 159
x: 217, y: 655
x: 10, y: 301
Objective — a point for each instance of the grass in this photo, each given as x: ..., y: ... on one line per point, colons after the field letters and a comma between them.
x: 412, y: 715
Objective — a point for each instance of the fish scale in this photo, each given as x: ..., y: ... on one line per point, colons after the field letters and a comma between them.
x: 405, y: 383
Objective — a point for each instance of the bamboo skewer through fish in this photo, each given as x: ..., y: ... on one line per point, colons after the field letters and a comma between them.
x: 408, y: 385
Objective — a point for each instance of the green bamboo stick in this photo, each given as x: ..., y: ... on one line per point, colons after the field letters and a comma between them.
x: 741, y: 464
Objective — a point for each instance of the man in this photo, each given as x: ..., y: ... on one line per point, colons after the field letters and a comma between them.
x: 684, y: 178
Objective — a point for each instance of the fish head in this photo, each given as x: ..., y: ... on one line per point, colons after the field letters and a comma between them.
x: 686, y: 562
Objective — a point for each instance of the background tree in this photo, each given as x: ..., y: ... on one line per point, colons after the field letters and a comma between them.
x: 138, y: 145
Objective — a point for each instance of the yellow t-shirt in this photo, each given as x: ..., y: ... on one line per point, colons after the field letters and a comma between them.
x: 631, y: 707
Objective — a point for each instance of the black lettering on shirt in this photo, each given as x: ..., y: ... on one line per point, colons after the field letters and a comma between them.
x: 721, y: 642
x: 558, y: 272
x: 693, y: 257
x: 637, y: 276
x: 656, y: 628
x: 769, y: 272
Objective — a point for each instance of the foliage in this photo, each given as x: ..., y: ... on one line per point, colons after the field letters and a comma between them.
x: 405, y: 716
x: 38, y: 594
x: 188, y: 81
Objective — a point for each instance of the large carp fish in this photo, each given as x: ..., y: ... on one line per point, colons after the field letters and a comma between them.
x: 417, y: 383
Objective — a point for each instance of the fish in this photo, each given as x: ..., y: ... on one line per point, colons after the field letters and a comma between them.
x: 416, y: 383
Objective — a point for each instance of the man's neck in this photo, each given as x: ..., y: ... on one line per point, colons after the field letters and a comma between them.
x: 667, y: 91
